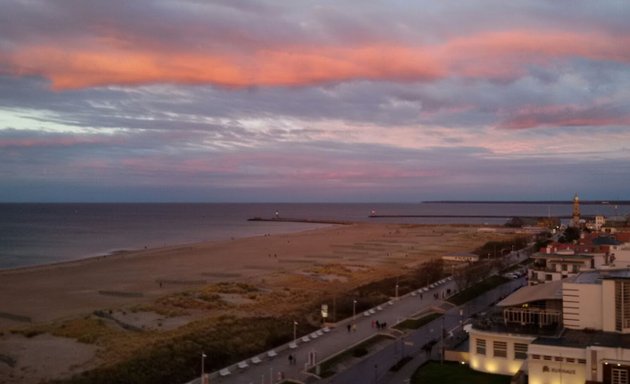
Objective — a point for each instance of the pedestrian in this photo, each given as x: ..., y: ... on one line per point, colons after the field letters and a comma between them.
x: 290, y: 359
x: 421, y: 296
x: 349, y: 327
x: 378, y: 325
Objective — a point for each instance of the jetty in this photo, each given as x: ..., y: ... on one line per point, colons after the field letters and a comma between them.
x: 298, y: 220
x: 374, y: 216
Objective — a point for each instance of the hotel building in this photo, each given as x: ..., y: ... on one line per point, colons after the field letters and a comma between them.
x: 575, y: 330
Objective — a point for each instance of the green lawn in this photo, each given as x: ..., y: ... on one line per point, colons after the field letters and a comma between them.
x: 454, y: 373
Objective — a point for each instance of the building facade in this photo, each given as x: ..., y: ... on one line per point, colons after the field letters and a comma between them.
x: 575, y: 330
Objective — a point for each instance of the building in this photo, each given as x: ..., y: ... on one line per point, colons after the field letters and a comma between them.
x: 575, y: 217
x: 560, y: 265
x: 575, y: 330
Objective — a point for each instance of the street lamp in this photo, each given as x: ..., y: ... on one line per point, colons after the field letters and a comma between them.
x: 354, y: 311
x: 203, y: 374
x: 295, y: 323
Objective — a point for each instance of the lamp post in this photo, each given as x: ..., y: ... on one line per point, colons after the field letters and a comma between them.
x: 295, y: 323
x: 354, y: 311
x: 396, y: 289
x: 203, y: 374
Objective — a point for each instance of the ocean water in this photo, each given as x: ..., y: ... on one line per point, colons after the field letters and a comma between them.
x: 33, y: 234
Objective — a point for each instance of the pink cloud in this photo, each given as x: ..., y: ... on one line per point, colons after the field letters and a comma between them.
x: 504, y: 54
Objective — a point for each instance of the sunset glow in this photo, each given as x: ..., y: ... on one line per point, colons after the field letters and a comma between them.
x: 260, y: 96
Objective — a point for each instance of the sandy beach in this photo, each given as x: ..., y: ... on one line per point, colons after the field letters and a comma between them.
x: 360, y: 252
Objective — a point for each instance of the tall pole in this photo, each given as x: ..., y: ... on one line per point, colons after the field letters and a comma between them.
x: 354, y: 311
x: 442, y: 343
x: 396, y: 289
x: 203, y: 356
x: 295, y: 323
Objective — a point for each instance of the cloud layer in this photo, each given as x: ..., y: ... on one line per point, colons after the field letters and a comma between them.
x: 263, y: 100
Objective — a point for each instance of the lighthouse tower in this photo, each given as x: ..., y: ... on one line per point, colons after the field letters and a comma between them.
x: 575, y: 220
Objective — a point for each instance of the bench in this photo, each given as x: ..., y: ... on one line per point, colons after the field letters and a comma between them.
x: 256, y: 360
x: 293, y: 345
x: 243, y: 364
x: 224, y: 372
x: 272, y: 353
x: 306, y: 339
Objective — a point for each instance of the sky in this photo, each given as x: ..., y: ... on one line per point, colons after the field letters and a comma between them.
x: 314, y: 101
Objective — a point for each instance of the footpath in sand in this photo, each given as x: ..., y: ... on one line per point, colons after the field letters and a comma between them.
x: 336, y: 257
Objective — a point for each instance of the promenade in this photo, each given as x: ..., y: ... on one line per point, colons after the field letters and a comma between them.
x: 268, y: 367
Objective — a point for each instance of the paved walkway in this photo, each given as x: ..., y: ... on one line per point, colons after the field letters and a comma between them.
x: 333, y: 342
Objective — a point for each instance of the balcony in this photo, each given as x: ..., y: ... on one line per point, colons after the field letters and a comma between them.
x: 535, y: 322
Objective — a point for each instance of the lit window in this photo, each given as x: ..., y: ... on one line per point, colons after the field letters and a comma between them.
x: 619, y: 376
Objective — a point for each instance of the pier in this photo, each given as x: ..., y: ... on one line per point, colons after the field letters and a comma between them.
x: 298, y: 220
x: 463, y: 216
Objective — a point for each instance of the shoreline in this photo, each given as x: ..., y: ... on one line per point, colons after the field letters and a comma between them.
x: 73, y: 287
x: 120, y: 252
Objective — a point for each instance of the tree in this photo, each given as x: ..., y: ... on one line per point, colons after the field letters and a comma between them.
x: 430, y: 271
x: 570, y: 235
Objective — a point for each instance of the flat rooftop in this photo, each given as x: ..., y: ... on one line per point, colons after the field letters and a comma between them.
x: 581, y: 339
x: 596, y: 277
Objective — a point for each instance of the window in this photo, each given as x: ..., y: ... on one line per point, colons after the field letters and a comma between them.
x: 481, y: 346
x: 622, y: 305
x: 548, y: 277
x: 619, y: 376
x: 499, y: 348
x: 520, y: 351
x: 570, y: 360
x: 546, y: 357
x: 564, y: 267
x: 582, y: 361
x: 557, y: 358
x: 536, y: 357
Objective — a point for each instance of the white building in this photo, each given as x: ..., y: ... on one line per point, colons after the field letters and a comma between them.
x: 562, y: 264
x: 575, y: 330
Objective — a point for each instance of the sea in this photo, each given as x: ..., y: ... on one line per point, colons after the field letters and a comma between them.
x: 36, y: 234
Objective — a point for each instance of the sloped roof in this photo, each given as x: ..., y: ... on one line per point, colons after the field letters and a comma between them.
x: 547, y: 291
